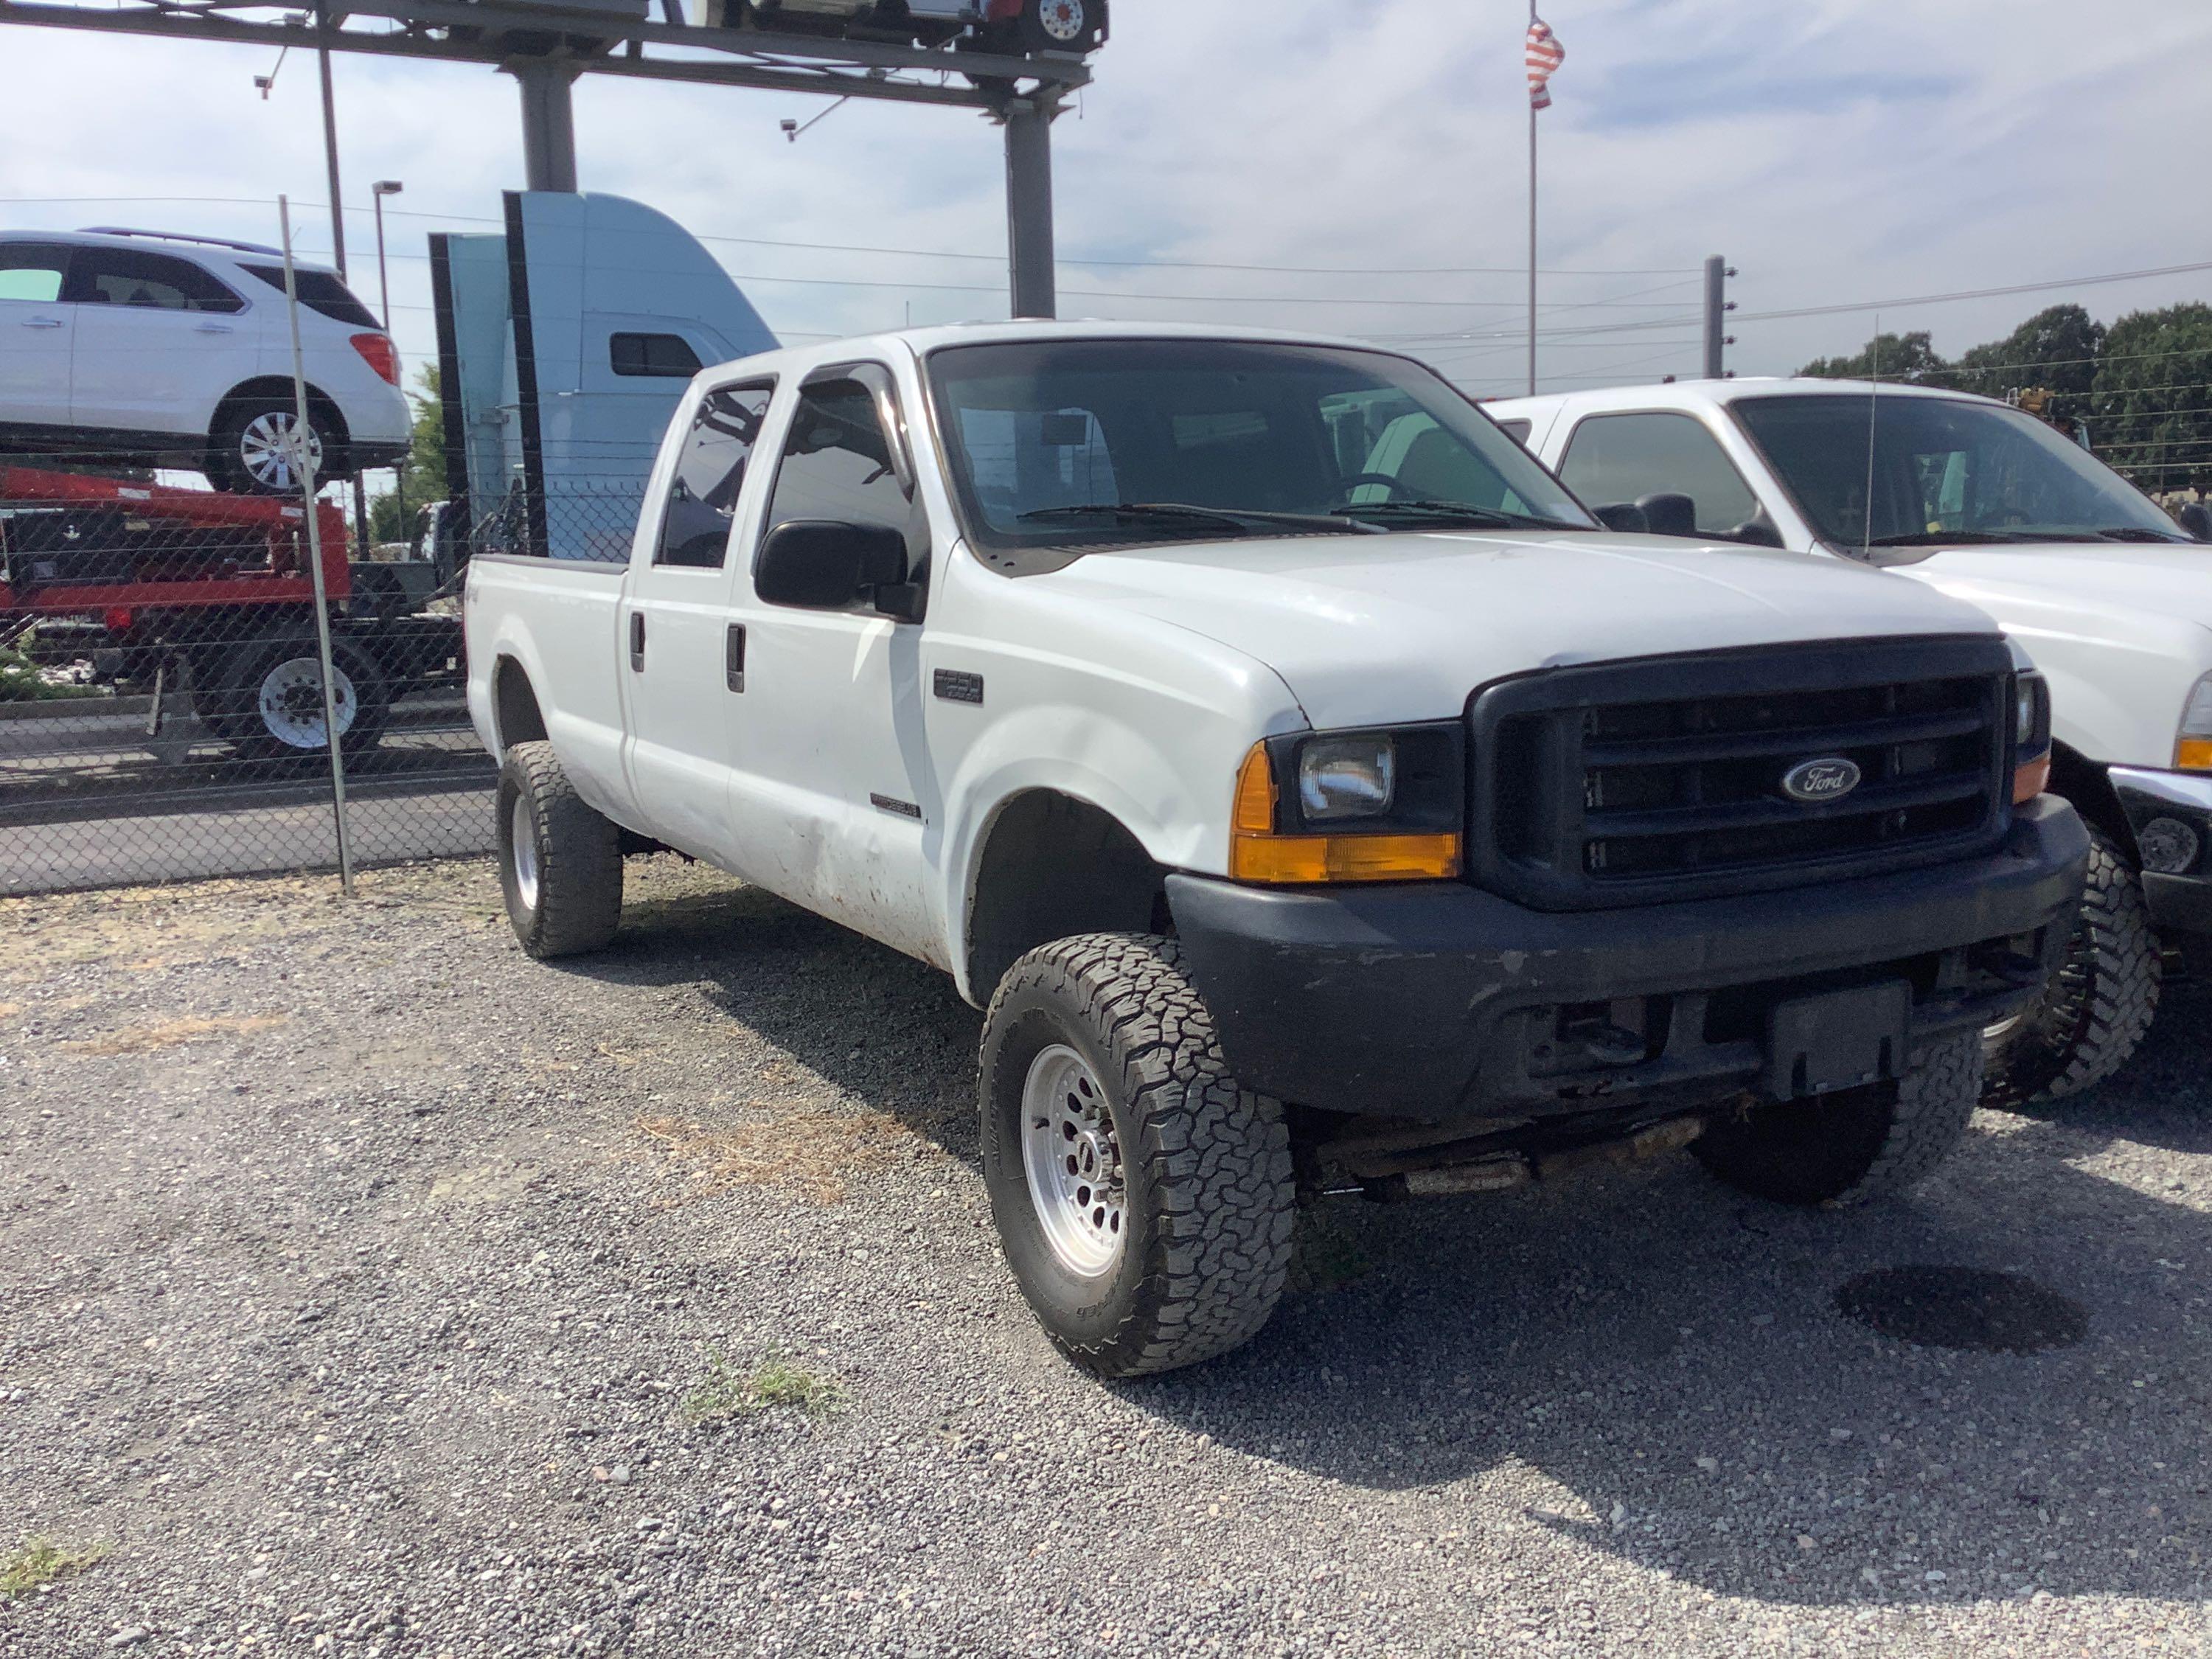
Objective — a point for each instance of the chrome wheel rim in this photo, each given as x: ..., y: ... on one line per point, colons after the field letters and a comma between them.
x: 270, y: 450
x: 1073, y: 1163
x: 522, y: 838
x: 1062, y: 19
x: 291, y: 703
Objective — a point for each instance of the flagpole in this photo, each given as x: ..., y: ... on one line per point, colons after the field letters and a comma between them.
x: 1532, y: 224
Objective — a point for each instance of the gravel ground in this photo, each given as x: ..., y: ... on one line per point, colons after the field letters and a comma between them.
x: 365, y: 1288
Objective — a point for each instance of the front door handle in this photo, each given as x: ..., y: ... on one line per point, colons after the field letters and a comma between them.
x: 637, y: 641
x: 42, y: 322
x: 733, y: 658
x: 213, y: 328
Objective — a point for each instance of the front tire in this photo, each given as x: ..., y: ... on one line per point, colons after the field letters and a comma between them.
x: 1857, y: 1144
x: 1143, y: 1199
x: 2097, y: 1008
x: 560, y: 862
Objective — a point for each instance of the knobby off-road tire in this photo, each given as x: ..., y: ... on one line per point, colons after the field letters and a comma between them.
x: 560, y: 862
x: 2094, y: 1013
x: 1858, y: 1144
x: 1109, y: 1025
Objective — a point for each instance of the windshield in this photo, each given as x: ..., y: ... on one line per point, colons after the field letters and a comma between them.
x: 1064, y: 444
x: 1944, y: 469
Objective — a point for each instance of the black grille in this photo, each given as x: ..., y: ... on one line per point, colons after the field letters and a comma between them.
x: 1662, y: 779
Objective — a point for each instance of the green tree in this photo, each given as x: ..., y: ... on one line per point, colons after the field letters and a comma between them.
x: 1907, y: 357
x: 2057, y: 349
x: 2150, y: 410
x: 422, y: 474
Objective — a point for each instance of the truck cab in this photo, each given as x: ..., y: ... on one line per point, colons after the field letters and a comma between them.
x: 1989, y: 505
x: 1312, y: 794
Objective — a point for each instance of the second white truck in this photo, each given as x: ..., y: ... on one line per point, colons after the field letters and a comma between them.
x: 1315, y: 799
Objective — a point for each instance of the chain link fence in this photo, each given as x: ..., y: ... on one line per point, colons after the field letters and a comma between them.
x: 161, y: 698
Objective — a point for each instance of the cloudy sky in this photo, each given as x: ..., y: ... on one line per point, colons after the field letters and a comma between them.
x: 1356, y: 166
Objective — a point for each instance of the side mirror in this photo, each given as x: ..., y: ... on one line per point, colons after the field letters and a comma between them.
x: 1621, y: 515
x: 2196, y: 519
x: 1756, y: 533
x: 1667, y: 513
x: 816, y: 564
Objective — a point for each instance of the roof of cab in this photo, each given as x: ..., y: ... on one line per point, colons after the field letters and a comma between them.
x: 1690, y: 394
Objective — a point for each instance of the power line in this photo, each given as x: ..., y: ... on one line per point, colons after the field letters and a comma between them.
x: 1974, y: 293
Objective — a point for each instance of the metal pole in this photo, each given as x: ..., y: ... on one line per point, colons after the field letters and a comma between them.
x: 1532, y: 225
x: 1030, y: 251
x: 548, y: 123
x: 306, y: 461
x: 1716, y: 316
x: 330, y: 136
x: 383, y: 305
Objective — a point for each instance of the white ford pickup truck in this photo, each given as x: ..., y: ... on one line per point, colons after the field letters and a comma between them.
x: 1991, y: 506
x: 1316, y: 798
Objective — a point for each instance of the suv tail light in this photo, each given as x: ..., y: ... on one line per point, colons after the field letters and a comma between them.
x: 380, y: 354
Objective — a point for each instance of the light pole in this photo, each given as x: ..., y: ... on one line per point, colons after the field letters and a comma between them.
x: 378, y: 192
x: 379, y: 189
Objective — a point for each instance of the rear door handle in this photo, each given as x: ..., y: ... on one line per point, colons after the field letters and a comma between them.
x: 213, y: 328
x: 637, y: 641
x: 42, y: 322
x: 734, y: 659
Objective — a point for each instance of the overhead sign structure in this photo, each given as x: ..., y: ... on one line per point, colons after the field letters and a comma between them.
x: 546, y: 44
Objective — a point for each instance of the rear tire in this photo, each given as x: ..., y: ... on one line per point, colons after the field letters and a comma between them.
x: 248, y: 451
x: 265, y: 699
x: 560, y: 862
x: 2095, y: 1012
x: 1857, y: 1144
x: 1144, y: 1199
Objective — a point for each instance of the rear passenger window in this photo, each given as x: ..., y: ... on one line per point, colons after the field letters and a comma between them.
x: 702, y: 500
x: 31, y: 271
x: 126, y: 277
x: 659, y: 356
x: 1613, y: 458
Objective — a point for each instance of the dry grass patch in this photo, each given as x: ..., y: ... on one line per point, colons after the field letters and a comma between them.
x: 817, y: 1152
x: 144, y: 1039
x: 38, y: 1562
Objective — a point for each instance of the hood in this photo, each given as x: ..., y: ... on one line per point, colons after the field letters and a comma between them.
x: 1372, y: 629
x: 2173, y: 580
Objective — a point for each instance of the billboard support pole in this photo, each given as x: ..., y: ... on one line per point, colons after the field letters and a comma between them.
x: 549, y: 123
x: 1029, y: 207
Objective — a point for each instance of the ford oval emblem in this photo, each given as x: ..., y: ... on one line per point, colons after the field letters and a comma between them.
x: 1815, y: 781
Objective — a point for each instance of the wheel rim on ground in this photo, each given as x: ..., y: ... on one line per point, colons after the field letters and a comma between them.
x: 290, y: 702
x: 522, y: 834
x: 270, y: 451
x: 1063, y: 19
x: 1073, y: 1163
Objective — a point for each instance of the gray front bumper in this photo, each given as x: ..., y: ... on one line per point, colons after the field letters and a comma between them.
x: 2180, y: 901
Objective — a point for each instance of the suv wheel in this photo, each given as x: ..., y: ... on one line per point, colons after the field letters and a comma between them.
x: 1143, y: 1199
x: 1854, y: 1144
x: 256, y: 447
x: 2095, y: 1010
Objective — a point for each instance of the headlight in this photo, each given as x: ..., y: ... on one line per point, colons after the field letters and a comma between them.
x: 1340, y: 806
x: 2192, y: 752
x: 2031, y: 744
x: 1343, y: 778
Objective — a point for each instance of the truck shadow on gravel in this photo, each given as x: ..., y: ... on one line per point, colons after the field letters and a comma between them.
x: 882, y: 1028
x: 1661, y: 1370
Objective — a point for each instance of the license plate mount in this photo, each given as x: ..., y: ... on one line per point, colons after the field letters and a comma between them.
x: 1847, y: 1039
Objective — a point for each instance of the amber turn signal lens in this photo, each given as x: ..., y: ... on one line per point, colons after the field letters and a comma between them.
x: 2031, y: 779
x: 2193, y: 755
x: 1256, y: 854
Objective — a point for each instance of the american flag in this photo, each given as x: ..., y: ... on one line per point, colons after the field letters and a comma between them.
x: 1544, y: 56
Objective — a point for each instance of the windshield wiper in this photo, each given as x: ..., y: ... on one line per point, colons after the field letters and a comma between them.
x: 1942, y: 538
x: 2139, y: 533
x: 1223, y: 520
x: 1433, y: 512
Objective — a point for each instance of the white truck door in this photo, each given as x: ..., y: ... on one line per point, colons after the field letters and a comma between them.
x: 681, y: 648
x: 832, y: 793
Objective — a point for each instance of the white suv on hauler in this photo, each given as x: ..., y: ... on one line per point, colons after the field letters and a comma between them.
x: 127, y: 345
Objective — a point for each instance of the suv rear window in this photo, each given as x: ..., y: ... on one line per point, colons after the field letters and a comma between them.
x: 134, y: 276
x: 321, y: 292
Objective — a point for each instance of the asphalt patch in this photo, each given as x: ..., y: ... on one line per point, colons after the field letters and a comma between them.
x: 1968, y: 1308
